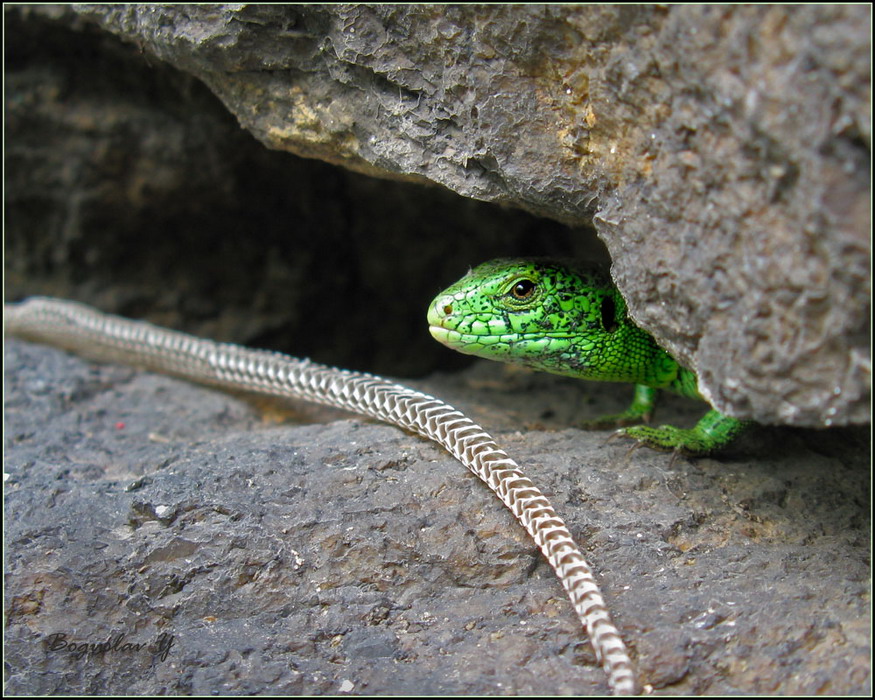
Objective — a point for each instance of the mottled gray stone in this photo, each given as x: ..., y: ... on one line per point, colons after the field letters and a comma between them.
x: 130, y: 187
x: 342, y: 555
x: 724, y: 152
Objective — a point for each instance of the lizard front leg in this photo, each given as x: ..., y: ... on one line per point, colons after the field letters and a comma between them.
x: 713, y: 432
x: 639, y: 411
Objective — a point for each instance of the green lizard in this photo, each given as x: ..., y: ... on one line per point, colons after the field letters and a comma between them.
x: 569, y: 319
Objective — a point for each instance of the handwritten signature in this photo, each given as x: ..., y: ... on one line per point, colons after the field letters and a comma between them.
x: 58, y: 643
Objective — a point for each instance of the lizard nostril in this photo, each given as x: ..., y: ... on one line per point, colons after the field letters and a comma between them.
x: 447, y: 309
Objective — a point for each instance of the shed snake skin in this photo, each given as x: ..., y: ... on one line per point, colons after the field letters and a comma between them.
x: 104, y: 337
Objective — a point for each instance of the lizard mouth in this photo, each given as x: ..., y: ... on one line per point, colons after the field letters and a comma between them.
x: 441, y: 334
x: 466, y: 343
x: 454, y: 338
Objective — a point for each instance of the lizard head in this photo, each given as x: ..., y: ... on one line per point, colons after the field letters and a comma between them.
x: 550, y: 315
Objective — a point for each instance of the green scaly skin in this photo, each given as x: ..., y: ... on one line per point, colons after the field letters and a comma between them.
x: 568, y: 318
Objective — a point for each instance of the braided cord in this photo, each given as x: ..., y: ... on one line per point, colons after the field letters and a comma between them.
x: 99, y: 336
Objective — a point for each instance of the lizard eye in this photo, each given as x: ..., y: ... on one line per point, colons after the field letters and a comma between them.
x: 522, y: 290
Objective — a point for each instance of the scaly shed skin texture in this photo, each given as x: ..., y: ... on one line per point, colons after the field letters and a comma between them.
x: 568, y: 318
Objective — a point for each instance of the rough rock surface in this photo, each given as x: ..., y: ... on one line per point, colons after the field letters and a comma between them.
x: 329, y: 555
x: 723, y: 150
x: 130, y: 187
x: 723, y: 153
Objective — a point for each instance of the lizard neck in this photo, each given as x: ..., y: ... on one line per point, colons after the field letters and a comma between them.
x: 628, y: 354
x: 651, y: 366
